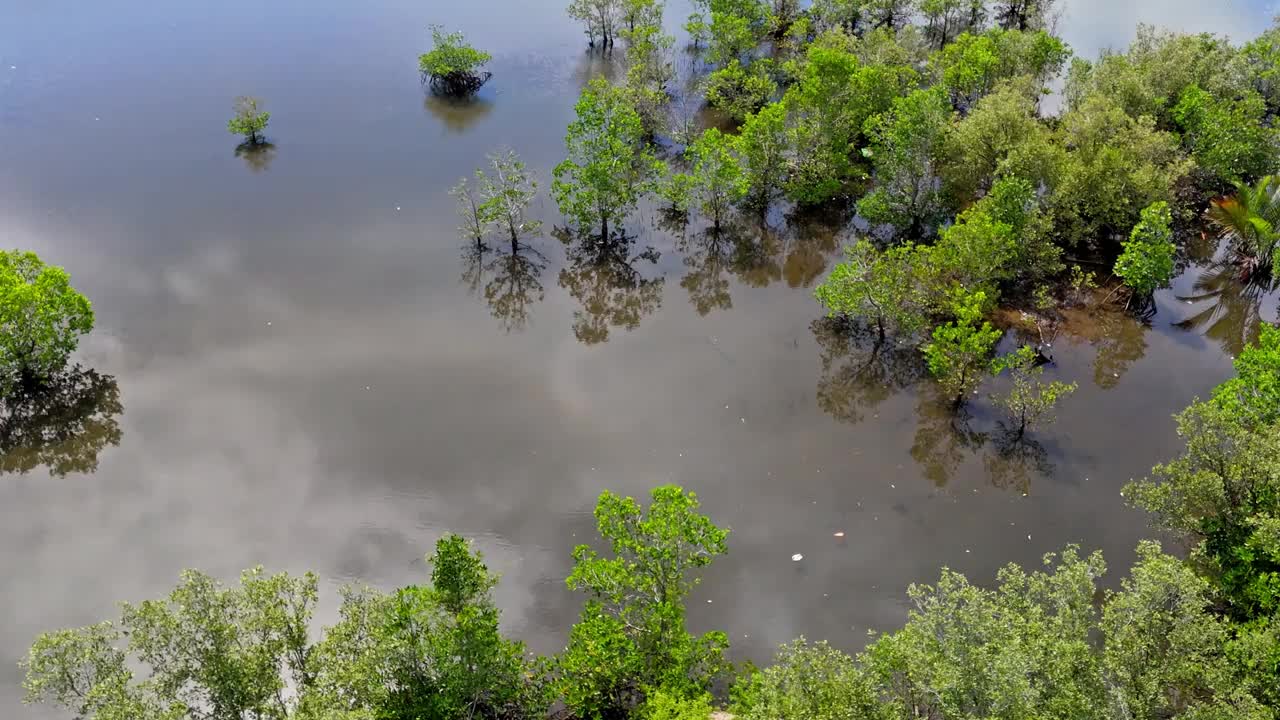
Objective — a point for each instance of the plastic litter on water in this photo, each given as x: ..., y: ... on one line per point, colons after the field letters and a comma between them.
x: 797, y: 557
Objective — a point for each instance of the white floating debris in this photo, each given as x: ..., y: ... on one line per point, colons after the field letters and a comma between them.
x: 895, y: 487
x: 838, y: 534
x: 708, y: 602
x: 743, y: 419
x: 797, y: 557
x: 366, y: 387
x: 1028, y: 537
x: 966, y: 549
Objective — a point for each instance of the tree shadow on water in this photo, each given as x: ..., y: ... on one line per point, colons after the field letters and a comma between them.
x: 944, y: 437
x: 1118, y: 338
x: 457, y: 114
x: 1234, y: 319
x: 509, y: 278
x: 599, y: 62
x: 708, y: 256
x: 860, y: 370
x: 604, y: 277
x: 62, y: 423
x: 757, y: 256
x: 257, y: 156
x: 1016, y: 460
x: 812, y: 240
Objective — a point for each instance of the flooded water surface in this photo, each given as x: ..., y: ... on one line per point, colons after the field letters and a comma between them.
x: 298, y: 363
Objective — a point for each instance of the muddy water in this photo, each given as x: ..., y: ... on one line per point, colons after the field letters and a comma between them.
x: 302, y: 366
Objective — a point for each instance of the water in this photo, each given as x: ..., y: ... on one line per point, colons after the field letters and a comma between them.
x: 313, y: 376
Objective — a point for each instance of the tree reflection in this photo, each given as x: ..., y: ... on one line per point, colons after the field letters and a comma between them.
x: 476, y: 265
x: 943, y: 436
x: 1017, y: 460
x: 257, y: 156
x: 62, y: 424
x: 1235, y: 317
x: 509, y: 279
x: 859, y: 369
x: 457, y: 113
x: 708, y: 257
x: 602, y: 276
x: 1117, y: 338
x: 757, y: 256
x: 807, y: 258
x: 598, y: 63
x: 813, y: 237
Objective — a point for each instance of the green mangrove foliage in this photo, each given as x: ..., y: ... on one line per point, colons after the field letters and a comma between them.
x: 1036, y: 645
x: 1147, y: 261
x: 632, y: 636
x: 609, y: 165
x: 249, y: 119
x: 41, y: 319
x: 1030, y: 400
x: 452, y: 66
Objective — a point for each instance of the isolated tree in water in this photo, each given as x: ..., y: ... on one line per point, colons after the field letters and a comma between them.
x: 506, y: 191
x: 41, y: 319
x: 609, y: 167
x: 1030, y: 400
x: 250, y: 119
x: 453, y: 66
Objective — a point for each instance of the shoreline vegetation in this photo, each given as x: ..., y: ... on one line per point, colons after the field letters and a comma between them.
x: 1193, y: 638
x: 925, y: 117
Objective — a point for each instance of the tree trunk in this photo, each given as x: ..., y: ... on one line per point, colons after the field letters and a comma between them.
x: 604, y: 228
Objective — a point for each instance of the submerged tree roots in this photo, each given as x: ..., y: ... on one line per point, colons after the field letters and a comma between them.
x: 457, y: 84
